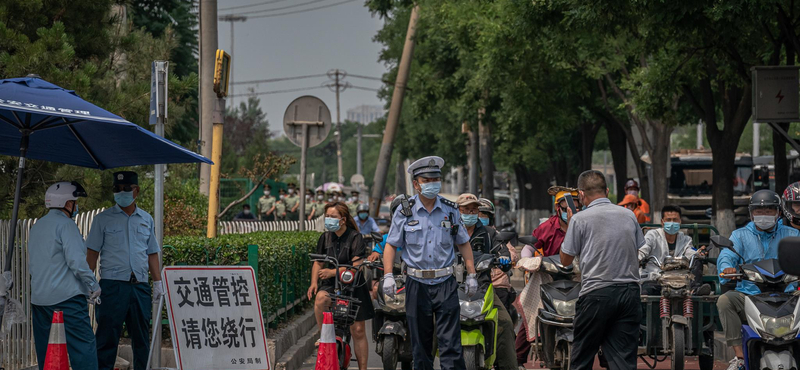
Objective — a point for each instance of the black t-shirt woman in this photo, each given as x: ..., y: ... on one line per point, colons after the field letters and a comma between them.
x: 343, y: 241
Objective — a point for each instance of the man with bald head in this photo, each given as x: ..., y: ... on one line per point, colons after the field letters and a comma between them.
x: 606, y: 239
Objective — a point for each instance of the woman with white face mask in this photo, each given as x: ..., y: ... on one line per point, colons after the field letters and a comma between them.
x: 342, y: 241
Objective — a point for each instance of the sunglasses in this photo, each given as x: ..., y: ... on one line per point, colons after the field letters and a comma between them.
x: 119, y: 188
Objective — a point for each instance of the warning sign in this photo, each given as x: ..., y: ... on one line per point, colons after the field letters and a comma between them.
x: 215, y: 318
x: 775, y: 94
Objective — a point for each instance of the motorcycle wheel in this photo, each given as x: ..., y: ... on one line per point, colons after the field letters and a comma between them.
x: 390, y: 352
x: 678, y: 348
x: 565, y: 356
x: 408, y: 365
x: 473, y: 358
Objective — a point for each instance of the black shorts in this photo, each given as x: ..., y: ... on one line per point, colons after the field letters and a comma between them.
x: 365, y: 309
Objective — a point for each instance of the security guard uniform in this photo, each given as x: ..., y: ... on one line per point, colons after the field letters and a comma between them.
x: 309, y: 203
x: 280, y: 207
x: 429, y: 240
x: 291, y: 200
x: 265, y: 204
x: 319, y: 204
x: 124, y: 243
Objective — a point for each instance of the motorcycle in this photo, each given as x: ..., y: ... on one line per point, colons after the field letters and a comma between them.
x: 676, y: 312
x: 390, y: 327
x: 479, y: 317
x: 344, y: 306
x: 771, y: 338
x: 555, y: 319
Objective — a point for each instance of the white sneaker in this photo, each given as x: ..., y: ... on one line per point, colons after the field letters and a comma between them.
x: 736, y: 364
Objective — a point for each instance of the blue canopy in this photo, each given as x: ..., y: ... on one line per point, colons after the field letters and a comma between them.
x: 64, y: 128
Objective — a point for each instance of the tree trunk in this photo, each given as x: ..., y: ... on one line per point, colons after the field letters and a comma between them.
x: 400, y: 178
x: 534, y: 203
x: 659, y: 159
x: 619, y: 153
x: 487, y: 164
x: 781, y: 163
x: 473, y: 161
x: 588, y: 135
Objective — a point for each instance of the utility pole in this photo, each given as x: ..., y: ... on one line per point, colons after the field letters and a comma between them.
x: 359, y: 158
x: 385, y: 156
x: 487, y: 164
x: 208, y: 50
x: 474, y: 162
x: 338, y: 75
x: 232, y: 18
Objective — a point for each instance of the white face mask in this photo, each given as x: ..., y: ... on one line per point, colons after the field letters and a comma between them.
x: 765, y: 222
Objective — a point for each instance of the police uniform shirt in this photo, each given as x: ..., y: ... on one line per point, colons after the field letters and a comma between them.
x: 309, y: 207
x: 265, y: 203
x: 124, y: 243
x: 425, y: 237
x: 319, y: 208
x: 57, y: 260
x: 291, y: 200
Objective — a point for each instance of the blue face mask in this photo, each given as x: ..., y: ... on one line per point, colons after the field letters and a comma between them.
x: 331, y: 224
x: 363, y: 216
x: 469, y: 220
x: 124, y: 198
x: 431, y: 189
x: 75, y: 210
x: 564, y: 216
x: 484, y: 221
x: 672, y: 228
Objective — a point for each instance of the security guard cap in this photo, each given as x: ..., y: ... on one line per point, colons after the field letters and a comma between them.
x: 428, y: 167
x: 126, y: 178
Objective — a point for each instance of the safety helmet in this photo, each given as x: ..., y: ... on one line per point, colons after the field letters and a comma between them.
x: 790, y: 196
x: 486, y: 206
x: 362, y: 208
x: 58, y: 194
x: 764, y: 199
x: 631, y: 184
x: 396, y: 202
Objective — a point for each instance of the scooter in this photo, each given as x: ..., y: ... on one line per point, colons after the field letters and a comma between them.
x: 771, y: 338
x: 390, y: 327
x: 344, y: 306
x: 479, y: 317
x: 555, y: 320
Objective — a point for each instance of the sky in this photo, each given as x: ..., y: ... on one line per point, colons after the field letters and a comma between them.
x: 306, y: 43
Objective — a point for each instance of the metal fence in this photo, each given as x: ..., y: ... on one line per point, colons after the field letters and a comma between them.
x: 243, y: 227
x: 16, y: 347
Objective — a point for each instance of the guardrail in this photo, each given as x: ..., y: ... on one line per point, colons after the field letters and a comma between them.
x: 244, y: 227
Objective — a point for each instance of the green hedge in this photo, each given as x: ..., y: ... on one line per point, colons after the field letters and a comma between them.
x: 284, y: 270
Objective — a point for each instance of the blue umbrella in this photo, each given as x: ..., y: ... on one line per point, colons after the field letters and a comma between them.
x: 39, y: 120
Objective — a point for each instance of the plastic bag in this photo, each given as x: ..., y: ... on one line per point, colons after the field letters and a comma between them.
x: 14, y: 314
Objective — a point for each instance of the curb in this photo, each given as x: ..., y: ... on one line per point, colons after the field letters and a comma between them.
x: 295, y: 356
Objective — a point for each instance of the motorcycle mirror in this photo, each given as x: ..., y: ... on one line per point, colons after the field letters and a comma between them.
x: 789, y: 255
x: 505, y: 236
x: 720, y: 241
x: 528, y: 240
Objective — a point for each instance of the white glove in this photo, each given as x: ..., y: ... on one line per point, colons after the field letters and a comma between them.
x: 472, y: 284
x: 94, y: 296
x: 389, y: 286
x: 158, y: 290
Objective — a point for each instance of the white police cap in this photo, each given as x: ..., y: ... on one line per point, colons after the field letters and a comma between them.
x: 428, y: 167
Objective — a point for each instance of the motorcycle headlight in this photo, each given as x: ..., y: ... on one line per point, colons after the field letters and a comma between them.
x: 565, y: 308
x: 483, y: 265
x: 549, y: 267
x: 789, y: 278
x: 398, y: 303
x: 472, y: 309
x: 754, y: 276
x: 777, y: 327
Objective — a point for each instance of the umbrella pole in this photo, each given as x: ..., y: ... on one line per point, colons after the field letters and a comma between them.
x: 23, y: 151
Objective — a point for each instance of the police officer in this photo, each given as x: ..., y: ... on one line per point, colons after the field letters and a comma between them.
x: 266, y: 205
x: 427, y: 228
x: 60, y: 277
x: 292, y: 201
x: 123, y: 236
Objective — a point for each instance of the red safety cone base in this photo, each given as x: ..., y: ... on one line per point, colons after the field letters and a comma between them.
x: 57, y: 357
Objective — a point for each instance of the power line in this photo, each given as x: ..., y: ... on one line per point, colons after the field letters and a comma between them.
x: 284, y: 7
x: 277, y: 79
x: 367, y: 77
x: 363, y: 88
x: 251, y: 5
x: 278, y: 91
x: 302, y: 11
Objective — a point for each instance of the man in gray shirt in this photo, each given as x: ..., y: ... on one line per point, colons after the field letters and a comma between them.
x: 606, y: 238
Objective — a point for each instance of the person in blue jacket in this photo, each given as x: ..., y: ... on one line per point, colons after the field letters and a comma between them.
x: 756, y: 241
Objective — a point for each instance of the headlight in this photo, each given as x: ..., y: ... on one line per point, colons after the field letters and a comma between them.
x: 565, y: 308
x: 483, y: 265
x: 398, y: 303
x: 789, y: 278
x: 549, y: 267
x: 777, y: 327
x: 472, y: 309
x: 754, y: 276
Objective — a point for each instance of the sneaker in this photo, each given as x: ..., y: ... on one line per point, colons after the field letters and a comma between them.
x: 704, y: 289
x: 736, y: 364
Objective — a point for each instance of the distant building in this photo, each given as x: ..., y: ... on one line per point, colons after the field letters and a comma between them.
x: 365, y: 114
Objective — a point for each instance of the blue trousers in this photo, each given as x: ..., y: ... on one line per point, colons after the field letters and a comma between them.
x: 423, y: 303
x: 128, y: 303
x: 81, y: 346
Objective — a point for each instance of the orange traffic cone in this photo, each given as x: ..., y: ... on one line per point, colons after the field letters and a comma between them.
x: 327, y: 358
x: 57, y: 358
